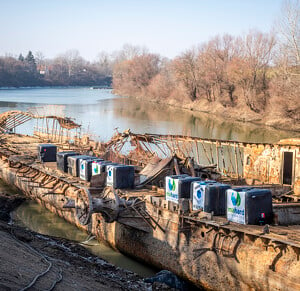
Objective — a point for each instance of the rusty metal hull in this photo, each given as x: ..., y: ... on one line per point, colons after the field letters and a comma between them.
x: 217, y: 258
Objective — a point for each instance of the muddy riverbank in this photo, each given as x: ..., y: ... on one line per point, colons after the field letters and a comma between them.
x: 238, y: 115
x: 31, y: 260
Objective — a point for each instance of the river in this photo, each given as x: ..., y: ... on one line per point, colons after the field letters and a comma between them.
x: 100, y: 112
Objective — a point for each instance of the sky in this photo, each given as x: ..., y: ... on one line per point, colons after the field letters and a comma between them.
x: 167, y: 27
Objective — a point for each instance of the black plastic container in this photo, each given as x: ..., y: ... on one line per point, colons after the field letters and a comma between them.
x: 210, y: 196
x: 62, y: 160
x: 85, y: 172
x: 248, y: 205
x: 99, y: 167
x: 179, y: 186
x: 47, y: 152
x: 73, y: 164
x: 120, y: 176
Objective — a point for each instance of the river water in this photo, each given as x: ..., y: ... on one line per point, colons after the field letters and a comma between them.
x: 100, y: 112
x: 33, y: 216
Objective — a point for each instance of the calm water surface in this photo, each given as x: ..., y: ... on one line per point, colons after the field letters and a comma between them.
x: 35, y: 217
x: 100, y: 112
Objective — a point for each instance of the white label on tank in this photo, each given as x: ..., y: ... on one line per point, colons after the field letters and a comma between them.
x: 198, y: 196
x: 110, y: 176
x: 236, y: 206
x: 172, y: 189
x: 95, y: 169
x: 82, y: 169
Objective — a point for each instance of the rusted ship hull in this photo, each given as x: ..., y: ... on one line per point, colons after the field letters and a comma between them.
x: 207, y: 253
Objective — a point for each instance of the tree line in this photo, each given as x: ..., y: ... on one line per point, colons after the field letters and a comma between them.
x: 68, y: 69
x: 258, y: 73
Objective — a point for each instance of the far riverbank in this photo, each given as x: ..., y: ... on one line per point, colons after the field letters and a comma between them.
x: 232, y: 114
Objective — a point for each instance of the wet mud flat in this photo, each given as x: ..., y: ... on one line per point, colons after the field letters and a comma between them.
x: 31, y: 261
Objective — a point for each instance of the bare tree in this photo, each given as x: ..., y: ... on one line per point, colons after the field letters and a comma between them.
x: 74, y: 61
x: 128, y: 52
x: 104, y: 63
x: 289, y: 32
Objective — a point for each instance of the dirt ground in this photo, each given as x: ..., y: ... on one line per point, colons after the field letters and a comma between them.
x: 31, y: 261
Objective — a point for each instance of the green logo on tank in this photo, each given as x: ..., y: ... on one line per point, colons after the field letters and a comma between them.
x: 172, y: 185
x: 236, y: 199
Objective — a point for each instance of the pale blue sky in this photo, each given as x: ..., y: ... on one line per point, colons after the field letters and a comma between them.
x: 164, y: 26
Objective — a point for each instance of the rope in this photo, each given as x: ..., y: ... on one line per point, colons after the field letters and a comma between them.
x: 50, y: 265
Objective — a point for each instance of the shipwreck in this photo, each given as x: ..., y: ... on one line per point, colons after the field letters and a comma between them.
x: 203, y: 247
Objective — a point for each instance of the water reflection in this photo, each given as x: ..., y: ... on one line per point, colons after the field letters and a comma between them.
x: 100, y: 112
x: 37, y: 218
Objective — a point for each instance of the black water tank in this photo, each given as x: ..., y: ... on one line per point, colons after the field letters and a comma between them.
x: 198, y: 193
x: 210, y: 196
x: 85, y: 169
x: 248, y: 205
x: 62, y: 160
x: 179, y: 186
x: 99, y: 167
x: 120, y: 176
x: 73, y: 164
x: 47, y: 152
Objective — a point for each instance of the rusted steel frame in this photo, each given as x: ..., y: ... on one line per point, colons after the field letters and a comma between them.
x: 157, y: 144
x: 223, y: 160
x: 150, y: 147
x: 15, y: 165
x: 197, y: 151
x: 146, y: 220
x: 217, y: 155
x: 236, y: 162
x: 185, y: 147
x: 48, y: 180
x: 163, y: 152
x: 176, y: 166
x: 55, y: 181
x: 151, y: 136
x: 52, y: 129
x: 153, y: 220
x: 122, y: 145
x: 59, y: 185
x: 47, y: 127
x: 169, y: 148
x: 178, y: 149
x: 12, y: 123
x: 191, y: 166
x: 23, y: 172
x: 204, y: 150
x: 230, y: 160
x: 142, y: 143
x: 20, y: 120
x: 211, y: 154
x: 241, y: 157
x: 40, y: 174
x: 56, y: 123
x: 166, y: 148
x: 190, y: 143
x: 35, y: 174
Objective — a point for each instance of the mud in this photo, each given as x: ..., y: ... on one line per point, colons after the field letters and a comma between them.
x: 8, y: 203
x: 31, y: 261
